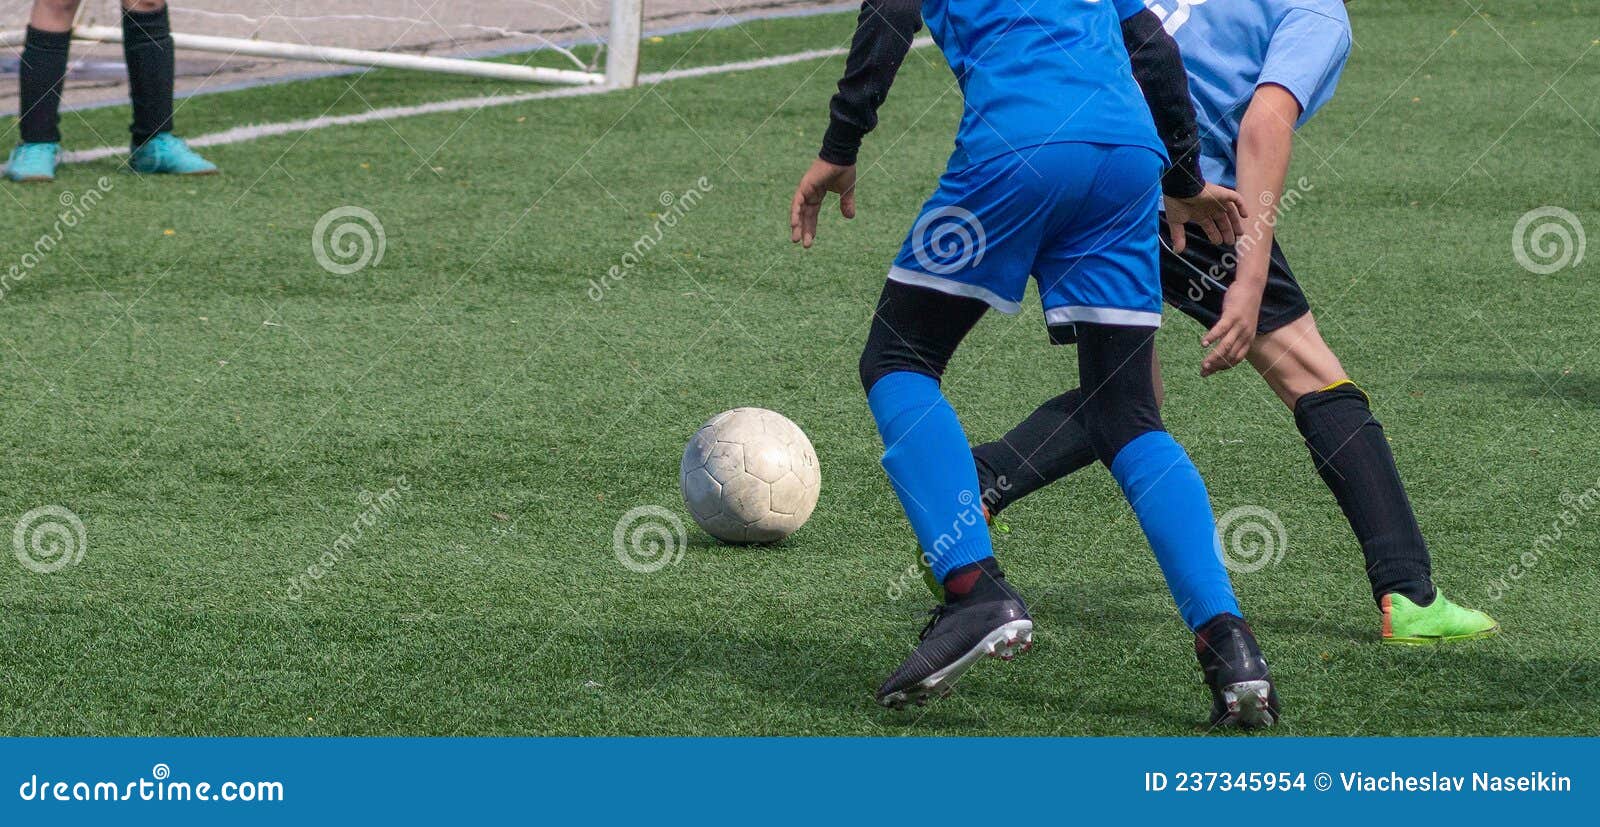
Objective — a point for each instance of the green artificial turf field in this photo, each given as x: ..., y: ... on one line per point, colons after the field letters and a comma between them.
x: 218, y: 409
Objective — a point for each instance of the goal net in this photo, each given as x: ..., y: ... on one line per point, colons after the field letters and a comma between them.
x: 227, y: 43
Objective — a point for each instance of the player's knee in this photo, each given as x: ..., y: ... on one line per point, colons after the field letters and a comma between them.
x: 58, y: 8
x: 871, y: 367
x: 881, y: 358
x: 1118, y: 363
x: 144, y: 5
x: 1119, y: 421
x: 917, y: 330
x: 1294, y: 360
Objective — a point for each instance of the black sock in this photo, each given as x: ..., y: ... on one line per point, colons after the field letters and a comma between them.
x: 981, y: 580
x: 43, y: 71
x: 147, y: 48
x: 1349, y: 449
x: 1050, y: 444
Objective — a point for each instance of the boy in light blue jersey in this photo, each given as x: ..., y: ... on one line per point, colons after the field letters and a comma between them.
x: 1259, y: 69
x: 1058, y: 173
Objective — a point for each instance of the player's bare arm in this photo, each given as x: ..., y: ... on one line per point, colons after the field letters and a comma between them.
x: 884, y: 31
x: 1266, y: 140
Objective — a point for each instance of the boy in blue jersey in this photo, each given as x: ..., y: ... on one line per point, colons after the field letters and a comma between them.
x: 1259, y: 69
x: 1058, y: 173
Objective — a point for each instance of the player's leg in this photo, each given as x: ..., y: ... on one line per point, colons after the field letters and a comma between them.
x: 1098, y: 280
x: 969, y: 250
x: 42, y: 72
x: 1048, y: 445
x: 1170, y: 500
x: 147, y: 48
x: 913, y: 335
x: 1352, y: 455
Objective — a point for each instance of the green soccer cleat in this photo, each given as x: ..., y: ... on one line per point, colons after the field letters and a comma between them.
x: 33, y: 162
x: 167, y: 154
x: 1441, y: 621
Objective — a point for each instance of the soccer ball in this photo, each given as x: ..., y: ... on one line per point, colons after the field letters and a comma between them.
x: 750, y: 476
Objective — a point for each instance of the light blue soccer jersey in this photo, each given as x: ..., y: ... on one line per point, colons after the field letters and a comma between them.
x: 1232, y: 46
x: 1034, y: 73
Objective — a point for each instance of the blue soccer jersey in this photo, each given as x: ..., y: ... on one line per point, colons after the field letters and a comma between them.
x: 1230, y: 47
x: 1040, y: 73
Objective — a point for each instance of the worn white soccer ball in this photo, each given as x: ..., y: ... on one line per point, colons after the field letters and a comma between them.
x: 750, y: 476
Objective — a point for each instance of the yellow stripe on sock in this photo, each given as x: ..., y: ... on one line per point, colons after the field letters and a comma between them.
x: 1342, y: 382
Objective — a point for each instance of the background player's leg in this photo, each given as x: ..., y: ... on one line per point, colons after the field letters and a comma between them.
x: 914, y: 333
x: 1351, y: 454
x: 1115, y: 365
x: 44, y: 70
x: 147, y: 48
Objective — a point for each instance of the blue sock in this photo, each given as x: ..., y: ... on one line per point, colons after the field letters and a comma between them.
x: 930, y: 466
x: 1169, y: 497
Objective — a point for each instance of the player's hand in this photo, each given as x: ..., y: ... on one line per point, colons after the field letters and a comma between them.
x: 821, y: 179
x: 1233, y: 334
x: 1218, y: 210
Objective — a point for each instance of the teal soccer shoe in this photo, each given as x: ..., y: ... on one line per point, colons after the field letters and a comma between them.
x: 33, y: 162
x: 167, y: 154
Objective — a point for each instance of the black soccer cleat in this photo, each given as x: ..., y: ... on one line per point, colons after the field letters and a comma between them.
x: 990, y: 619
x: 1242, y: 693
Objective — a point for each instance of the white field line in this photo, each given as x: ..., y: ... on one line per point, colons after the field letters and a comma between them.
x: 240, y: 134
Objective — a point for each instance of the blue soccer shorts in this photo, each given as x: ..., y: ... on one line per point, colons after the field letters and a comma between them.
x: 1078, y: 217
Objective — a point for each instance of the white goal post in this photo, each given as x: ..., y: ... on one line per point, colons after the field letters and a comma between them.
x: 621, y: 53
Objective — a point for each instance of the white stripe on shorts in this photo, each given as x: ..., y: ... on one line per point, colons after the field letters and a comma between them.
x: 954, y: 288
x: 1102, y: 315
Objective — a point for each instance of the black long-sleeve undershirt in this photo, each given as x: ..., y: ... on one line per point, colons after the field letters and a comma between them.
x: 1158, y: 68
x: 885, y: 29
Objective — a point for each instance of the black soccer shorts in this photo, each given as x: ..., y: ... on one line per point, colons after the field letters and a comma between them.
x: 1196, y: 281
